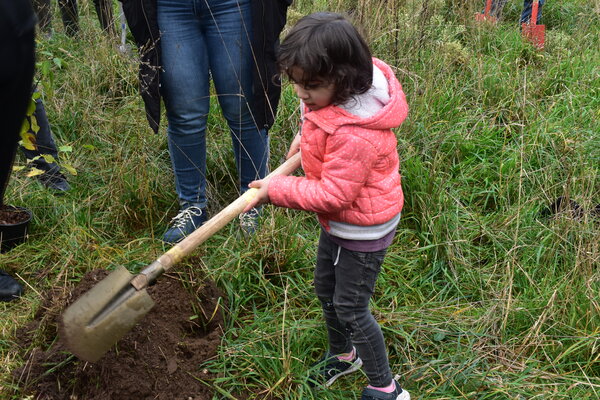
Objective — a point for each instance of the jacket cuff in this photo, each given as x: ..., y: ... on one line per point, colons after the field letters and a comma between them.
x: 277, y: 190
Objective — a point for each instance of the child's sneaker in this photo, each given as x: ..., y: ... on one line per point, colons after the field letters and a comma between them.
x: 397, y: 394
x: 330, y: 368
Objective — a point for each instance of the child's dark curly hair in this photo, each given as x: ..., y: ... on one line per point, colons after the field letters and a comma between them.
x: 326, y: 46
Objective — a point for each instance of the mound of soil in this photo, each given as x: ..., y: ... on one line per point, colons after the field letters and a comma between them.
x: 161, y: 358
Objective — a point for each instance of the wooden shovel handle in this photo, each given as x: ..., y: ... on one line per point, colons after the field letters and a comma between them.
x: 187, y: 245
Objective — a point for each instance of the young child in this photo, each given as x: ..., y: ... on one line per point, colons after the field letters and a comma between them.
x: 351, y: 102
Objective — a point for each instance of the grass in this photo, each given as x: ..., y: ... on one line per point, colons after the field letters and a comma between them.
x: 480, y: 297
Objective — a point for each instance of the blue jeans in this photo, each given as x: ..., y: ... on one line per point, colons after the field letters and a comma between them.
x: 498, y: 5
x: 201, y: 39
x: 344, y: 283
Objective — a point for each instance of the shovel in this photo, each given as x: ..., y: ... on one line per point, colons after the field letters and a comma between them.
x: 105, y: 313
x: 486, y: 13
x: 533, y: 32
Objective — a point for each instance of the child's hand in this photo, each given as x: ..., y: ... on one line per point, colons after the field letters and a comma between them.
x: 262, y: 196
x: 295, y: 146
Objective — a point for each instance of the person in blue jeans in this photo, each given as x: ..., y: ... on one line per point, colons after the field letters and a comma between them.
x: 200, y: 40
x: 498, y: 5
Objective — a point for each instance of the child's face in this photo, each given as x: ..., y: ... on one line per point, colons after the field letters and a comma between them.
x: 315, y: 94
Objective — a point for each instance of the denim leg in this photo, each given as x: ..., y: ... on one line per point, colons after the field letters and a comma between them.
x: 527, y: 8
x: 497, y: 7
x: 198, y: 35
x: 228, y: 33
x: 44, y: 142
x: 185, y: 88
x: 354, y: 275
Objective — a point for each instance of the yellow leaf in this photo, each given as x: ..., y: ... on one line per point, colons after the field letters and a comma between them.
x: 25, y: 127
x: 28, y: 140
x: 69, y: 168
x: 34, y: 125
x: 49, y: 158
x: 18, y: 168
x: 31, y: 107
x: 34, y: 172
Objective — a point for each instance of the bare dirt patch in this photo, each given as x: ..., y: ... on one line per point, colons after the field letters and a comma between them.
x: 161, y: 358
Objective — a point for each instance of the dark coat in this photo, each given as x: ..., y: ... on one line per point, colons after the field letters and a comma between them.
x: 17, y: 55
x: 268, y: 19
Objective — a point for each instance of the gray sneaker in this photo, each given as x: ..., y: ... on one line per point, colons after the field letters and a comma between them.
x: 189, y: 218
x: 249, y: 221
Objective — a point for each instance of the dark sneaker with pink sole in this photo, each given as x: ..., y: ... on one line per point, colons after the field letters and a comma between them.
x: 397, y: 394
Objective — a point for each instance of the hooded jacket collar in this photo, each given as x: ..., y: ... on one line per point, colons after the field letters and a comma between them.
x: 391, y: 115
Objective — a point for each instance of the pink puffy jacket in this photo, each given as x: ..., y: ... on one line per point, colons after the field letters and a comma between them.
x: 351, y: 164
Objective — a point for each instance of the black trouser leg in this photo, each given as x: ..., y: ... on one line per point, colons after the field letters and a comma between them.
x: 105, y: 16
x: 43, y: 9
x: 16, y: 76
x: 70, y: 16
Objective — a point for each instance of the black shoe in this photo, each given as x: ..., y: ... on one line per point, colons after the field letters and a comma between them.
x: 397, y: 394
x: 329, y: 368
x: 54, y: 181
x: 563, y: 205
x: 596, y: 211
x: 9, y: 288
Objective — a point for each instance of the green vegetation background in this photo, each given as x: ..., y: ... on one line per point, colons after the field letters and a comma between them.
x: 480, y: 297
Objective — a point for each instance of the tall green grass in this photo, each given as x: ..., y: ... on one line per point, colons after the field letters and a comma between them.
x: 480, y: 296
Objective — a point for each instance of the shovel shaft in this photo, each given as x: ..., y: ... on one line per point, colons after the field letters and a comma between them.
x: 187, y: 245
x: 534, y: 12
x: 488, y: 8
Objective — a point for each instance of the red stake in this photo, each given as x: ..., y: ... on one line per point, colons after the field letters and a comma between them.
x: 533, y: 32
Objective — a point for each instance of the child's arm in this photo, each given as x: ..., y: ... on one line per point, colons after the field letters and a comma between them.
x: 260, y: 193
x: 345, y: 169
x: 295, y: 146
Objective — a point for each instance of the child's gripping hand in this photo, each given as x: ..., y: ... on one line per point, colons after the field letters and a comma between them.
x: 262, y: 196
x: 295, y: 146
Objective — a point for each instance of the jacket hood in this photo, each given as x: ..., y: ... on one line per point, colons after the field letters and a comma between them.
x: 389, y: 116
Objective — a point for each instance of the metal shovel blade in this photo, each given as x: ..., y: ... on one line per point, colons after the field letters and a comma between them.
x: 103, y: 315
x: 536, y: 34
x: 485, y: 16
